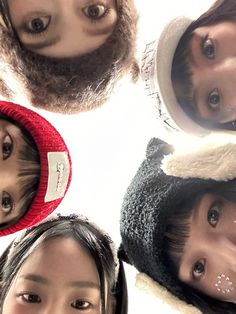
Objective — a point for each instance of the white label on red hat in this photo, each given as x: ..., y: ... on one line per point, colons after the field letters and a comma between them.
x: 58, y: 175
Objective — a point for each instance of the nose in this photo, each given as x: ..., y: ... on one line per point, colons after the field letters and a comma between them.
x: 68, y: 8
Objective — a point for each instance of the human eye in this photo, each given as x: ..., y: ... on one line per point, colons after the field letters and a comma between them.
x: 198, y: 269
x: 81, y: 305
x: 37, y: 25
x: 213, y: 99
x: 96, y: 11
x: 30, y: 298
x: 7, y: 202
x: 208, y: 48
x: 213, y: 214
x: 7, y: 147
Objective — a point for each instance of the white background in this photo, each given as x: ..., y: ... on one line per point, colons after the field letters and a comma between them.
x: 108, y: 144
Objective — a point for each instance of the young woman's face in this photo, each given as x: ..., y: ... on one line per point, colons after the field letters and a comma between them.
x: 63, y: 28
x: 59, y: 277
x: 213, y: 65
x: 209, y: 259
x: 10, y: 192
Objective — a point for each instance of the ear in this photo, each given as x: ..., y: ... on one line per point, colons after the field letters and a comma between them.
x: 148, y: 285
x: 213, y: 158
x: 158, y: 148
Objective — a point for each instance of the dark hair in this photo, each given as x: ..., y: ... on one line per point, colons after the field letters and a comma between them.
x: 176, y: 234
x: 181, y: 75
x: 94, y: 241
x: 29, y: 171
x: 76, y: 84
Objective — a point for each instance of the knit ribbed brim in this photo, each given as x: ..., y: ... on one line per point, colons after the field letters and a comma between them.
x: 47, y: 140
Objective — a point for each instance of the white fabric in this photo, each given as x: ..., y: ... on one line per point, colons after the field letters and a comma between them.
x: 151, y: 287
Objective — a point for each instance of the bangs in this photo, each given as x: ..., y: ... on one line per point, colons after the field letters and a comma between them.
x: 178, y: 231
x: 181, y: 76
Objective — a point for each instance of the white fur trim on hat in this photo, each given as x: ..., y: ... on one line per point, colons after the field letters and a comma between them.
x: 212, y: 158
x: 151, y: 287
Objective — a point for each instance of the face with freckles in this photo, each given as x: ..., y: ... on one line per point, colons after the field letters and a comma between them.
x: 212, y: 63
x: 50, y: 282
x: 208, y: 263
x: 63, y: 28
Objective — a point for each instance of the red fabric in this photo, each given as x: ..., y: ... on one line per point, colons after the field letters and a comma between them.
x: 47, y: 140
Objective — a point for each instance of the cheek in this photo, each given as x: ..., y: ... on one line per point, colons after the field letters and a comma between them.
x: 11, y: 306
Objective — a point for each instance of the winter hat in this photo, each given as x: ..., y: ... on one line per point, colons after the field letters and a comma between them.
x: 55, y: 165
x: 156, y: 67
x: 150, y: 199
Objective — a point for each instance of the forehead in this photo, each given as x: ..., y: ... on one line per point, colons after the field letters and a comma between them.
x: 61, y: 259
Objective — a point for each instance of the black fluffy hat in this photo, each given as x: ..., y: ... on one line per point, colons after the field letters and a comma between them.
x: 151, y: 197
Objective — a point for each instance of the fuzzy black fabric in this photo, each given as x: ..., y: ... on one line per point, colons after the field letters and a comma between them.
x: 150, y: 198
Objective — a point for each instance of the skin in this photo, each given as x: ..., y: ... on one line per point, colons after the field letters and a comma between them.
x: 210, y: 250
x: 213, y: 65
x: 11, y: 143
x: 67, y: 26
x: 50, y: 282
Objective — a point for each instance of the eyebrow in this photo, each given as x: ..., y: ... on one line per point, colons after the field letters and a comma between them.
x: 45, y: 281
x: 46, y: 43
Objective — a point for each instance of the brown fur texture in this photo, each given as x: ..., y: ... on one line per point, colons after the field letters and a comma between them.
x: 74, y: 84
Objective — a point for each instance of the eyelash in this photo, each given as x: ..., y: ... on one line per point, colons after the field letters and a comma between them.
x: 4, y: 196
x: 204, y: 46
x: 193, y: 275
x: 216, y: 206
x: 4, y: 143
x: 95, y: 21
x: 22, y: 296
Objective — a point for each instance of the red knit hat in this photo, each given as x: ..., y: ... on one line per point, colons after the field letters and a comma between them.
x: 55, y: 165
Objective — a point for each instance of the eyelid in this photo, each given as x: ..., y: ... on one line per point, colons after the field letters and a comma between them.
x: 12, y: 203
x: 220, y: 98
x: 12, y: 143
x: 204, y: 39
x: 25, y: 28
x: 197, y: 278
x: 99, y: 19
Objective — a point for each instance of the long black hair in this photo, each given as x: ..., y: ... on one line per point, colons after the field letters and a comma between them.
x: 181, y: 75
x: 176, y: 234
x: 96, y: 243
